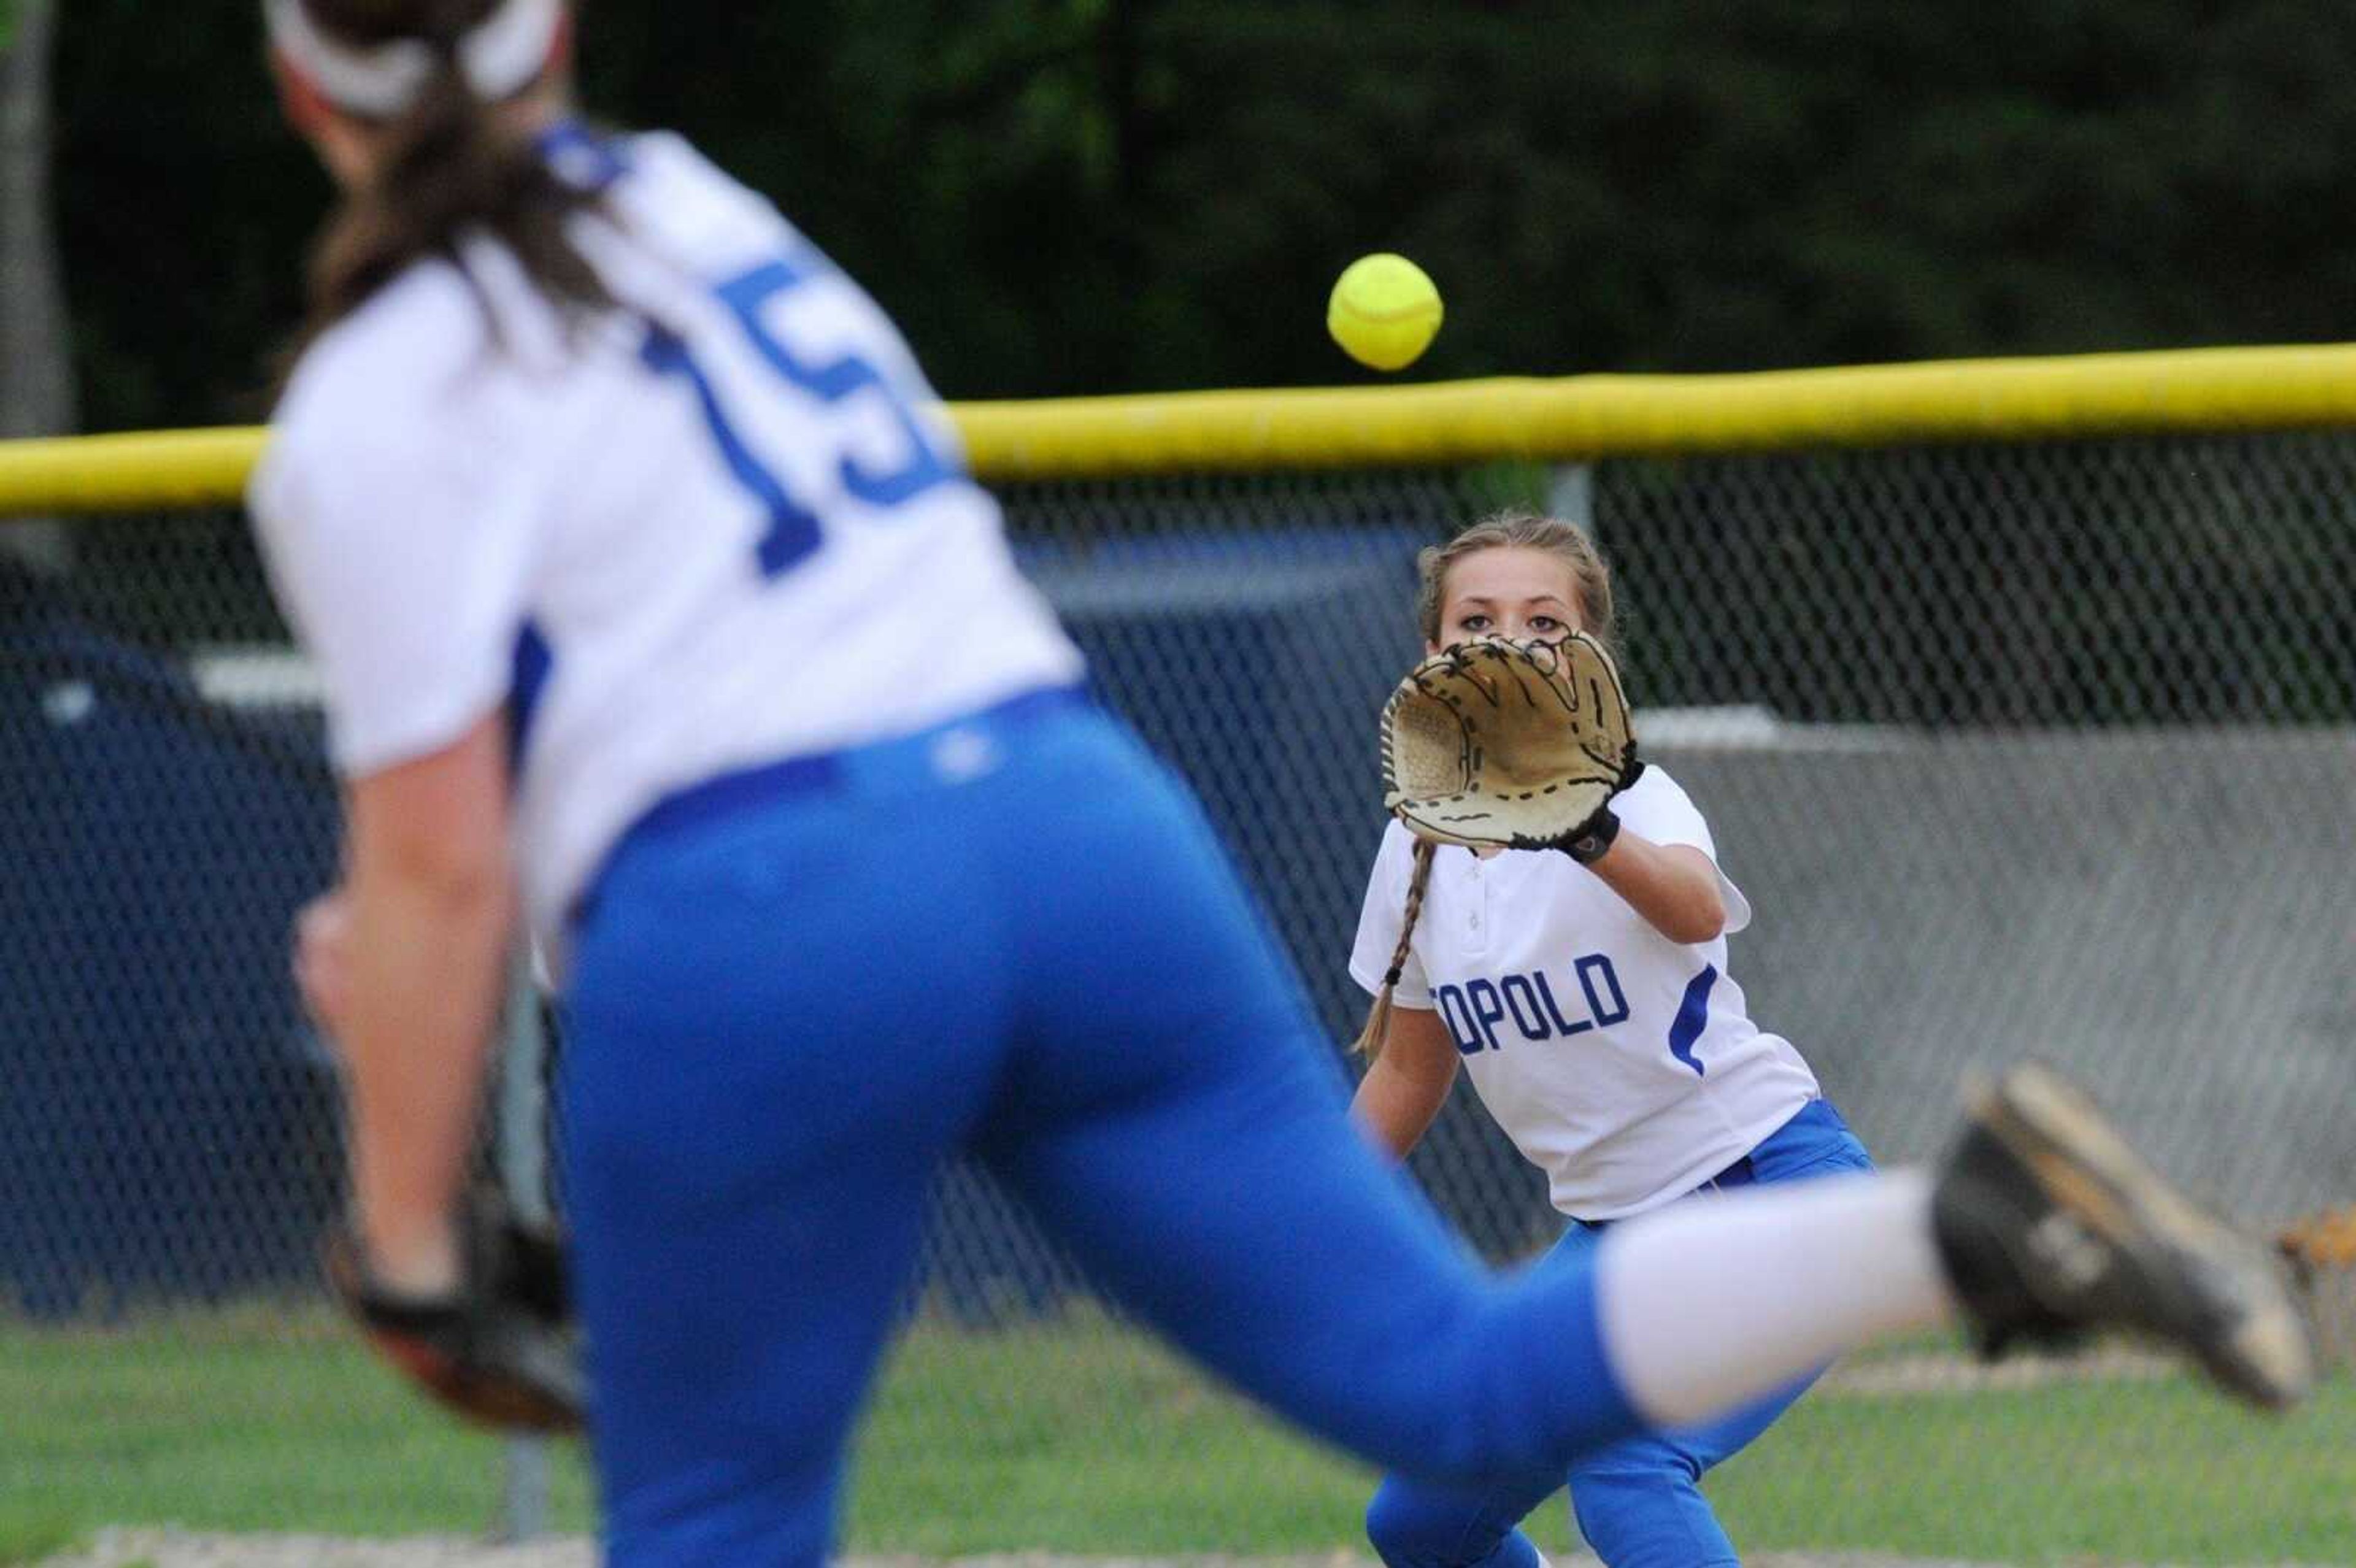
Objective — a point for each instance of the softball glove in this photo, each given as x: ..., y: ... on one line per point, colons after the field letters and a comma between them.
x: 1517, y: 745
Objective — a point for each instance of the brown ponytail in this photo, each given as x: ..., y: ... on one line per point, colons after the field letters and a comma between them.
x: 1378, y: 1023
x: 450, y: 163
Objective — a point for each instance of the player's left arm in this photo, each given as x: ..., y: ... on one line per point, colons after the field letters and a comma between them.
x: 1674, y: 886
x: 429, y: 906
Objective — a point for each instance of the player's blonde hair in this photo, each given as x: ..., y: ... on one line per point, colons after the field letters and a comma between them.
x: 1592, y: 582
x: 1525, y: 531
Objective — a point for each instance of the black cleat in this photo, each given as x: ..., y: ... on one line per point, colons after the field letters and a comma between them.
x: 2051, y: 1227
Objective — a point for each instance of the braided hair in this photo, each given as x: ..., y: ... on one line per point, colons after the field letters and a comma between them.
x: 1379, y: 1022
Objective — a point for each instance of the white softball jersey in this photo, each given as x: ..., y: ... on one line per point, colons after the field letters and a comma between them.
x: 731, y: 526
x: 1620, y: 1063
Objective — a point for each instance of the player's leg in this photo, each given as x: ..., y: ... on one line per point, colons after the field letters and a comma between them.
x: 770, y: 1042
x: 1423, y: 1524
x: 1639, y: 1501
x: 1639, y: 1505
x: 1177, y: 1120
x: 2046, y: 1224
x: 1417, y: 1523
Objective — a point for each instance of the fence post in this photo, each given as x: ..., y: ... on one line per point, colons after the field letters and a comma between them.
x: 521, y: 1150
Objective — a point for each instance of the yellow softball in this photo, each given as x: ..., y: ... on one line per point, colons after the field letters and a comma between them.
x: 1384, y: 312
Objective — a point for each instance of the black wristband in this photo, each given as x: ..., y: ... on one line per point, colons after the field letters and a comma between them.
x: 1587, y: 843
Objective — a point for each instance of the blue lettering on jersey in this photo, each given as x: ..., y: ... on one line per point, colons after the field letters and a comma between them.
x: 1521, y: 1001
x: 1562, y: 1025
x: 1458, y: 1018
x: 919, y: 468
x: 1473, y: 1011
x: 794, y: 532
x: 1605, y: 1013
x: 1488, y: 1011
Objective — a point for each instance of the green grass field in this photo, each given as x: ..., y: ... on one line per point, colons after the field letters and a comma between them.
x: 1084, y: 1438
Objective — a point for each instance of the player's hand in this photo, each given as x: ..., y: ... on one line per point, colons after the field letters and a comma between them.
x: 493, y: 1340
x: 323, y: 958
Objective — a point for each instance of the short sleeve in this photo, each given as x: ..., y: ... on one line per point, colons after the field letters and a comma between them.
x: 1380, y: 919
x: 403, y: 575
x: 1658, y: 807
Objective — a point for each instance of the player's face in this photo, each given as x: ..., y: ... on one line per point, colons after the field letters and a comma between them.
x: 1512, y: 592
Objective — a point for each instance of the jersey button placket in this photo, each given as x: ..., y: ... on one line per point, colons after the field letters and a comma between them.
x: 1476, y: 911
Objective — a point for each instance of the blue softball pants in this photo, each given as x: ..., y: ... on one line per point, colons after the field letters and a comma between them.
x: 796, y: 992
x: 1638, y: 1501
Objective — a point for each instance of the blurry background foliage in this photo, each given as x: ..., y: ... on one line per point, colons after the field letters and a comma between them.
x: 1060, y: 196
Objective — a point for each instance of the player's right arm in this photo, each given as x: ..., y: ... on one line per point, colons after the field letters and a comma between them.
x: 1408, y: 1082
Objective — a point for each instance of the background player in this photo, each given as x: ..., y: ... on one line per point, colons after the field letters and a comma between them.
x: 1590, y: 999
x: 637, y: 560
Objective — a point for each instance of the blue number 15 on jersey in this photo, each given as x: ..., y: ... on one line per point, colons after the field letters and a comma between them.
x: 793, y: 532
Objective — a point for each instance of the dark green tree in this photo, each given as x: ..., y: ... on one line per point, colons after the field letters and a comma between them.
x: 1092, y: 195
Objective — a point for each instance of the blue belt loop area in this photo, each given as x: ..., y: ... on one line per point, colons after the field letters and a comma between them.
x: 939, y: 752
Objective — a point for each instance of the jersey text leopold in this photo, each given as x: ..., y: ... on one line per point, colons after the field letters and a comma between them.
x: 1473, y: 1010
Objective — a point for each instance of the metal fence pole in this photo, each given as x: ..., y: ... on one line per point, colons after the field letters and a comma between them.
x: 522, y: 1155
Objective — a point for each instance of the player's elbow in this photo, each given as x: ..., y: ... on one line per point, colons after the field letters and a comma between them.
x: 460, y: 884
x: 1698, y: 919
x: 456, y: 865
x: 436, y: 826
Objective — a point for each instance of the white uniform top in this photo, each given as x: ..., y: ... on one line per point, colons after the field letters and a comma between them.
x: 1620, y: 1063
x: 742, y: 534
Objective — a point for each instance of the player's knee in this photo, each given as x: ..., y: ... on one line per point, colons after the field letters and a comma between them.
x: 1649, y: 1517
x: 1411, y: 1527
x: 1395, y: 1528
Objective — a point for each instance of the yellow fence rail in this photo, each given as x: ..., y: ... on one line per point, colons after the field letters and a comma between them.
x: 2207, y: 390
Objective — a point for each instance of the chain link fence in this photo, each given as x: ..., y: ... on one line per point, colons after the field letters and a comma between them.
x: 2036, y: 750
